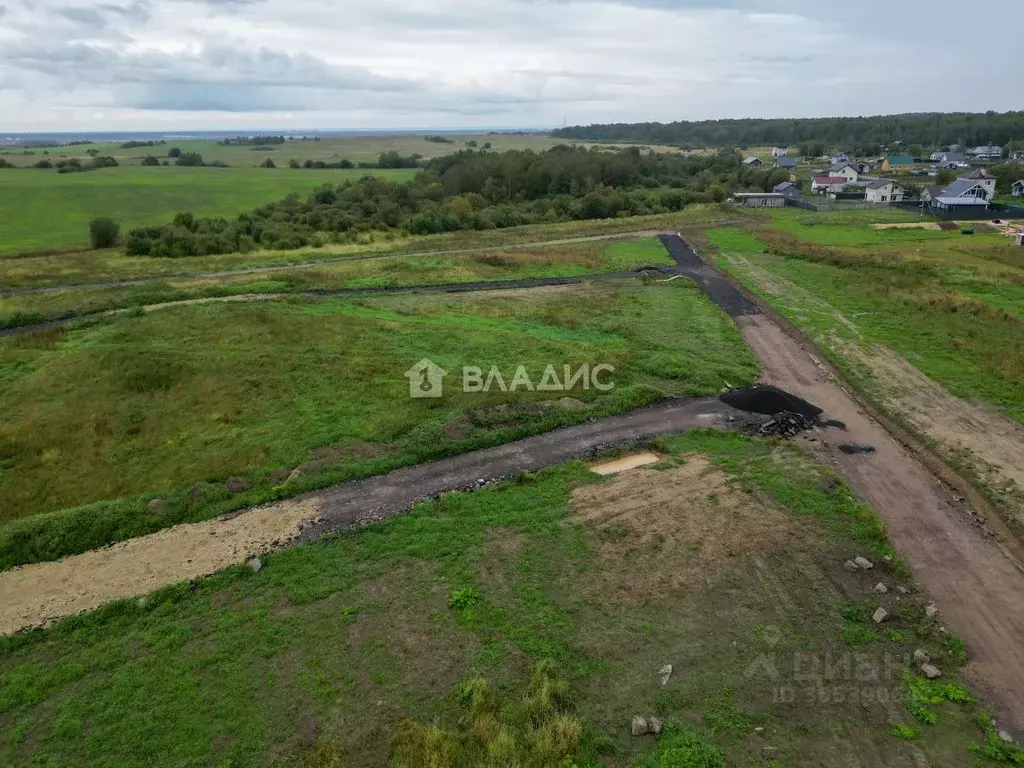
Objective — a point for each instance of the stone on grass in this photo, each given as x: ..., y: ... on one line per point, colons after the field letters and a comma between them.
x: 930, y: 610
x: 666, y: 673
x: 653, y: 725
x: 238, y: 485
x: 880, y: 615
x: 1006, y: 737
x: 921, y: 656
x: 902, y: 590
x: 930, y: 672
x: 295, y: 475
x: 639, y: 726
x: 196, y: 494
x: 851, y: 566
x: 156, y: 507
x: 863, y: 563
x: 256, y: 564
x: 571, y: 404
x: 881, y: 589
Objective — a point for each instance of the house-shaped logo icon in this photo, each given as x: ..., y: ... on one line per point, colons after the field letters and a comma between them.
x: 426, y: 379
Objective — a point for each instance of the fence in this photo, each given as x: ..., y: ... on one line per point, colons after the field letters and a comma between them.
x: 837, y: 205
x: 978, y: 213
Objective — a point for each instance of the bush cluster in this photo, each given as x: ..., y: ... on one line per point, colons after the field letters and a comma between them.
x: 466, y: 190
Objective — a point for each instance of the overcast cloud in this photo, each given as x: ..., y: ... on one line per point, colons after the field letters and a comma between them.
x: 69, y: 65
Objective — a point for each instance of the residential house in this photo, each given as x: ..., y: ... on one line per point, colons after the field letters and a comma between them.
x: 787, y: 188
x: 848, y: 171
x: 842, y: 157
x: 981, y: 177
x: 884, y: 191
x: 961, y: 189
x: 897, y: 163
x: 753, y: 162
x: 759, y: 199
x: 986, y: 153
x: 778, y: 152
x: 785, y: 162
x: 930, y: 193
x: 1017, y: 156
x: 862, y: 168
x: 823, y: 185
x: 1017, y: 190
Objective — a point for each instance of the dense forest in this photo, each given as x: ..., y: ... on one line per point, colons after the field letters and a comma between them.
x: 467, y: 190
x: 925, y: 129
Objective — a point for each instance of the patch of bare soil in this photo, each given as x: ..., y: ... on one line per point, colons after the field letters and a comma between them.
x: 908, y: 225
x: 41, y: 593
x: 989, y: 442
x: 681, y: 523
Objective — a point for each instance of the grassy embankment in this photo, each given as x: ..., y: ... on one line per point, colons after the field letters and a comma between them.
x: 335, y: 650
x: 542, y: 262
x: 137, y: 407
x: 47, y: 210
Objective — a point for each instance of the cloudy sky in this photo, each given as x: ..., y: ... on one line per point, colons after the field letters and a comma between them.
x: 357, y: 64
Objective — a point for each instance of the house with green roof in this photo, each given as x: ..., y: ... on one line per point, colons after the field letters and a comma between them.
x: 895, y: 162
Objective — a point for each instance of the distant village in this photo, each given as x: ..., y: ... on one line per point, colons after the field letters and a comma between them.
x: 952, y: 182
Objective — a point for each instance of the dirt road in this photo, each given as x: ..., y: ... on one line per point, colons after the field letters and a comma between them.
x: 43, y: 592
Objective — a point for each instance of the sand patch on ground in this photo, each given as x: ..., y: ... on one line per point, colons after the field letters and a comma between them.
x: 908, y: 225
x: 43, y: 592
x: 670, y: 528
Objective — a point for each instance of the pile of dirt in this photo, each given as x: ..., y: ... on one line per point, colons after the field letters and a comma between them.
x: 948, y: 226
x: 780, y: 425
x: 770, y: 401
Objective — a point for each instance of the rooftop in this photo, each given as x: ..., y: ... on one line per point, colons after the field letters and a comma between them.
x: 757, y: 194
x: 879, y: 183
x: 951, y: 201
x: 829, y: 179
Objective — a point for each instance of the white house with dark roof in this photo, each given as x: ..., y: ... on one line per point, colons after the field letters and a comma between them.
x: 986, y: 153
x: 778, y: 152
x: 1017, y: 189
x: 847, y: 170
x: 884, y: 191
x: 981, y: 177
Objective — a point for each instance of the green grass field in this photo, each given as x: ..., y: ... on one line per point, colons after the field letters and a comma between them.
x: 46, y: 210
x: 549, y: 261
x: 355, y: 148
x: 158, y: 403
x: 411, y: 642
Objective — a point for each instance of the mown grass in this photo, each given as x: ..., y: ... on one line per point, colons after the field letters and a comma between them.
x: 336, y: 647
x: 952, y: 306
x: 49, y: 270
x: 152, y: 405
x: 551, y: 261
x: 47, y: 210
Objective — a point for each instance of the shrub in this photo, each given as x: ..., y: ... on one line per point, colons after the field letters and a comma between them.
x: 174, y: 152
x: 150, y: 160
x: 268, y: 163
x: 103, y: 232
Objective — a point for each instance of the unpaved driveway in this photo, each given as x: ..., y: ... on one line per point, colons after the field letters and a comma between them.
x: 977, y: 587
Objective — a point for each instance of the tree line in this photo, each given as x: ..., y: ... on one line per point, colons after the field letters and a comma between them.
x: 245, y: 141
x: 467, y: 190
x: 925, y: 129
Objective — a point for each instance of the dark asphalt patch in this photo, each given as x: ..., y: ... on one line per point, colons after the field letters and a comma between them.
x: 716, y: 287
x: 769, y: 400
x: 851, y: 450
x: 834, y: 423
x: 780, y: 425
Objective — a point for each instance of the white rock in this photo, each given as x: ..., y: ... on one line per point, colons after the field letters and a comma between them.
x: 639, y: 726
x: 930, y: 610
x: 902, y: 590
x: 666, y: 673
x: 653, y: 725
x: 921, y: 657
x: 863, y: 563
x: 881, y: 589
x: 1006, y: 737
x: 256, y: 564
x: 880, y: 615
x: 930, y: 672
x: 851, y: 566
